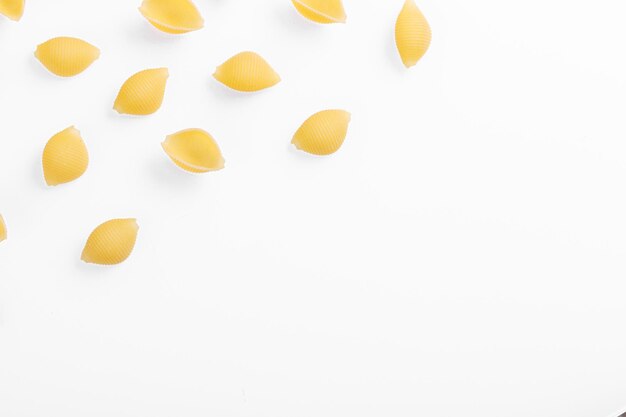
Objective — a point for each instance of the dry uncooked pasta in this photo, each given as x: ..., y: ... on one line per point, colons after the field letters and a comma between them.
x: 13, y: 9
x: 142, y: 93
x: 65, y: 157
x: 172, y: 16
x: 413, y: 34
x: 323, y: 133
x: 321, y: 11
x: 3, y: 229
x: 111, y: 243
x: 65, y: 56
x: 194, y: 150
x: 246, y: 71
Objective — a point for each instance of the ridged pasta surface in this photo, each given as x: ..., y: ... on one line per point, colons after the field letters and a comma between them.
x: 172, y: 16
x: 323, y: 133
x: 413, y: 34
x: 3, y: 229
x: 111, y: 243
x: 142, y: 93
x: 194, y: 150
x: 321, y: 11
x: 13, y: 9
x: 65, y: 157
x: 66, y: 56
x: 247, y: 71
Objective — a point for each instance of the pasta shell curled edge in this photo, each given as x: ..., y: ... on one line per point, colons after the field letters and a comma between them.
x: 13, y: 9
x: 3, y: 229
x: 413, y: 34
x: 194, y: 150
x: 172, y: 16
x: 142, y: 93
x: 247, y: 71
x: 321, y: 11
x: 65, y: 157
x: 323, y: 133
x: 66, y: 56
x: 111, y: 243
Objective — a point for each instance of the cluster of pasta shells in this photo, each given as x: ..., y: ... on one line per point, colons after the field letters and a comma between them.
x: 65, y: 157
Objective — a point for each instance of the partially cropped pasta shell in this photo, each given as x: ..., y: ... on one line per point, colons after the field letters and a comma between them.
x: 142, y: 93
x: 3, y: 229
x: 65, y: 157
x: 172, y: 16
x: 111, y: 243
x: 321, y: 11
x: 323, y: 133
x: 413, y: 34
x: 66, y: 57
x: 246, y: 71
x: 13, y: 9
x: 194, y: 150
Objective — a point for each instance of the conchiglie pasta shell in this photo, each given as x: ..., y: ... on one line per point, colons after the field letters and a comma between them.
x: 142, y: 93
x: 323, y: 133
x: 194, y: 150
x: 321, y: 11
x: 413, y: 34
x: 13, y: 9
x: 246, y: 71
x: 172, y: 16
x: 65, y: 56
x: 111, y: 243
x: 65, y: 157
x: 3, y: 229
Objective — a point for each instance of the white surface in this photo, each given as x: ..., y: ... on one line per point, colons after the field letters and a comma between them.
x: 463, y: 254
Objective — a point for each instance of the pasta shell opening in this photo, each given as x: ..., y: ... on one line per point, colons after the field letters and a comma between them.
x: 247, y: 72
x: 194, y: 150
x: 323, y: 133
x: 3, y: 229
x: 13, y: 9
x: 172, y: 16
x: 321, y: 11
x: 65, y: 157
x: 66, y: 56
x: 413, y: 34
x: 142, y: 93
x: 111, y: 243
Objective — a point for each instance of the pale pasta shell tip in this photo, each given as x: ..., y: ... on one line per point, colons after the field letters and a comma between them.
x: 13, y: 9
x: 111, y: 243
x: 142, y: 93
x: 65, y: 157
x: 321, y: 11
x: 247, y: 72
x: 323, y: 133
x: 3, y: 229
x: 172, y: 16
x: 413, y: 34
x: 65, y: 56
x: 194, y: 150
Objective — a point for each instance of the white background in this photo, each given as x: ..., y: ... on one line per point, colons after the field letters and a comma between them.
x: 462, y: 254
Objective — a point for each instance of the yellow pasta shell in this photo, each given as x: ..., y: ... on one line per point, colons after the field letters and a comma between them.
x: 65, y: 157
x: 111, y: 243
x: 3, y: 229
x: 65, y: 56
x: 172, y: 16
x: 142, y: 93
x: 323, y: 133
x: 321, y: 11
x: 246, y: 71
x: 13, y: 9
x: 194, y: 150
x: 413, y: 34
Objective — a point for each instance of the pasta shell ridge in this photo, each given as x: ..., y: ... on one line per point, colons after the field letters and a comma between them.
x: 247, y: 72
x: 13, y: 9
x: 142, y: 93
x: 323, y: 133
x: 3, y: 229
x: 194, y: 150
x: 65, y: 56
x: 321, y: 11
x: 413, y: 34
x: 172, y: 16
x: 111, y: 243
x: 65, y: 157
